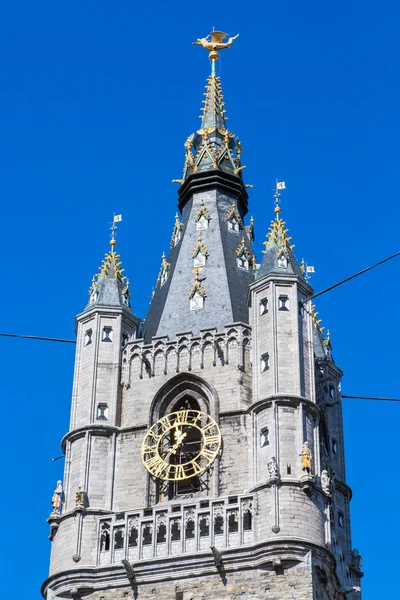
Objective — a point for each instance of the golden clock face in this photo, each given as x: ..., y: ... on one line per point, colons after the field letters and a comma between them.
x: 181, y: 445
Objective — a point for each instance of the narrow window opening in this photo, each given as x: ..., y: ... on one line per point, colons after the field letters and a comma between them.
x: 102, y: 412
x: 106, y: 334
x: 133, y: 538
x: 178, y: 595
x: 176, y: 531
x: 105, y: 538
x: 242, y: 262
x: 196, y: 302
x: 264, y: 362
x: 164, y: 277
x: 233, y: 225
x: 264, y: 437
x: 218, y: 525
x: 247, y: 521
x: 301, y: 309
x: 282, y: 262
x: 189, y: 531
x: 204, y: 527
x: 161, y: 534
x: 331, y: 392
x: 202, y: 223
x: 334, y: 446
x: 233, y: 525
x: 341, y: 519
x: 289, y: 469
x: 232, y: 500
x: 125, y: 338
x: 147, y: 537
x: 199, y: 260
x: 118, y: 540
x: 88, y: 337
x: 283, y: 303
x: 177, y: 236
x: 263, y: 306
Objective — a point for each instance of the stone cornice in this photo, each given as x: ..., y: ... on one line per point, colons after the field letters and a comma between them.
x: 98, y: 429
x: 261, y: 555
x: 280, y: 278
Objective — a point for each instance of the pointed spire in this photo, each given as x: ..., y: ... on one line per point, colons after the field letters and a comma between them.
x: 213, y: 147
x: 278, y: 253
x: 109, y: 286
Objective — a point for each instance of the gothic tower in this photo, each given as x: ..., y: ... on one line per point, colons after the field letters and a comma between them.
x: 205, y: 455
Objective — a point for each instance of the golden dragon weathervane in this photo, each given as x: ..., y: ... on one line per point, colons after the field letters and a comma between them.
x: 214, y: 44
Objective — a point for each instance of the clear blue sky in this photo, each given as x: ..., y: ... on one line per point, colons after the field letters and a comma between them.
x: 96, y: 100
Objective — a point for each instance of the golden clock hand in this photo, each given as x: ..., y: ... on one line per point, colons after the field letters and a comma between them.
x: 174, y: 448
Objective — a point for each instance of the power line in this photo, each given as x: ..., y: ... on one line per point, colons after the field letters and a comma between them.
x: 372, y: 398
x: 37, y: 337
x: 352, y: 277
x: 332, y: 287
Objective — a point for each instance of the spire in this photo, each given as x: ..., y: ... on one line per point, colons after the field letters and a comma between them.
x: 213, y: 147
x: 109, y: 286
x: 278, y: 253
x: 213, y: 205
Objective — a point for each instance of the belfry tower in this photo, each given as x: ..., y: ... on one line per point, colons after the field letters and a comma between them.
x: 205, y: 458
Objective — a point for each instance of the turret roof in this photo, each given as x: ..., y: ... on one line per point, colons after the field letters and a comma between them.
x: 278, y: 253
x: 110, y: 287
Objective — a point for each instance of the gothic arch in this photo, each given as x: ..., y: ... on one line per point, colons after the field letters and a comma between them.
x: 184, y: 384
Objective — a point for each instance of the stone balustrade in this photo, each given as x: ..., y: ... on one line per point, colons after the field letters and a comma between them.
x: 176, y: 529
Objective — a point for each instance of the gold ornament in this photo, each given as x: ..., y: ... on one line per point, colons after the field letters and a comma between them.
x: 181, y: 445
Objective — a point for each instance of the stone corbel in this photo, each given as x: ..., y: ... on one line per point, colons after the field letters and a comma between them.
x: 277, y: 564
x: 307, y: 483
x: 128, y: 569
x: 54, y: 524
x: 217, y: 557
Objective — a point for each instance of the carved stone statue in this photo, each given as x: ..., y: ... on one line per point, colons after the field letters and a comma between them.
x: 216, y: 43
x: 306, y: 458
x: 356, y: 559
x: 325, y: 482
x: 80, y: 498
x: 56, y: 500
x: 273, y: 467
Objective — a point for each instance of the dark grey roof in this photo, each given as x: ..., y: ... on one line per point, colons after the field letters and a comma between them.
x: 278, y: 255
x: 110, y: 287
x: 224, y: 282
x: 271, y: 264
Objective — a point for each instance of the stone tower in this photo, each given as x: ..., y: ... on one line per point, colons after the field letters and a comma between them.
x: 205, y: 455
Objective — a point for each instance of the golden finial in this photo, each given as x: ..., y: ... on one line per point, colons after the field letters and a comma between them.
x: 196, y: 272
x: 215, y: 44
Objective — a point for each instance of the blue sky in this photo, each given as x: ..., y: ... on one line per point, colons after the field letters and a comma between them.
x: 96, y: 100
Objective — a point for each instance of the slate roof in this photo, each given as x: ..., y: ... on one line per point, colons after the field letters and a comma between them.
x: 109, y: 286
x: 225, y: 283
x: 278, y: 254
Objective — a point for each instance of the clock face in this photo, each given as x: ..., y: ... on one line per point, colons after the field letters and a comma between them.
x: 181, y: 445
